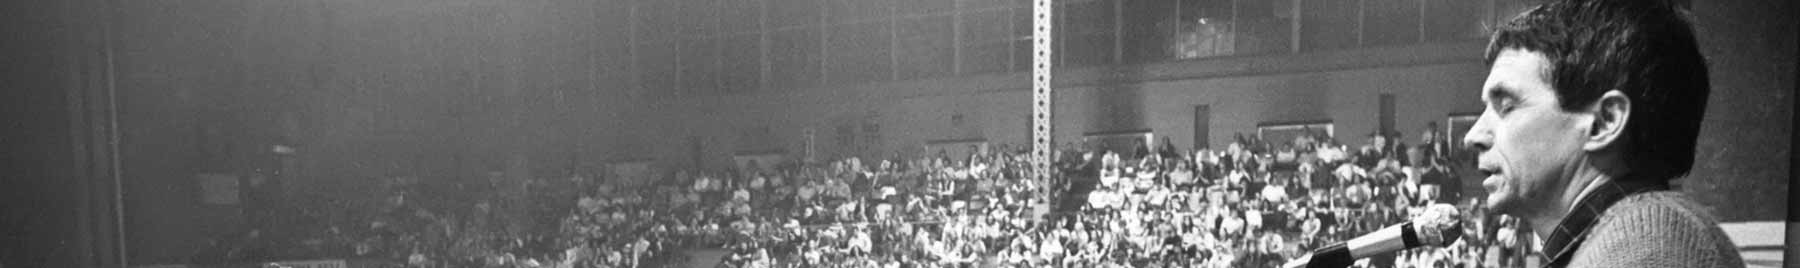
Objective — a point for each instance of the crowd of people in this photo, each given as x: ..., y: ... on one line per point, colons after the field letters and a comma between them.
x: 934, y: 210
x: 1258, y: 204
x: 1255, y: 203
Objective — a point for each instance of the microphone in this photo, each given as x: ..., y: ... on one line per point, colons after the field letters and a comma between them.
x: 1440, y: 225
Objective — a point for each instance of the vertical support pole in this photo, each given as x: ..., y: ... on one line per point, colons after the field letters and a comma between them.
x: 1118, y: 32
x: 1294, y: 28
x: 631, y: 47
x: 956, y: 33
x: 1040, y: 88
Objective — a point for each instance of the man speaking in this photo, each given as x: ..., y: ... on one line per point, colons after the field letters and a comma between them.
x: 1592, y: 107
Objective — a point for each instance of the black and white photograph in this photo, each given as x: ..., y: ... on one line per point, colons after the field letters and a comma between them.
x: 898, y: 133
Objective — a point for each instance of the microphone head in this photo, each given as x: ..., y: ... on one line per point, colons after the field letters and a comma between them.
x: 1439, y: 225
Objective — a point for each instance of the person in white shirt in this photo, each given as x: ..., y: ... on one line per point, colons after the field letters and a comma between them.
x: 884, y: 211
x: 740, y: 195
x: 1110, y: 171
x: 1182, y: 175
x: 1097, y: 199
x: 805, y: 193
x: 812, y: 257
x: 758, y: 182
x: 638, y: 249
x: 1051, y: 249
x: 1160, y: 198
x: 613, y: 256
x: 888, y: 192
x: 860, y: 242
x: 1274, y: 193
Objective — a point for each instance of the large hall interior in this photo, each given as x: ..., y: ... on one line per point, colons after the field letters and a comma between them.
x: 799, y: 133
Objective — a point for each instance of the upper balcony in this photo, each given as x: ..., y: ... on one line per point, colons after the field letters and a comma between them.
x: 726, y: 48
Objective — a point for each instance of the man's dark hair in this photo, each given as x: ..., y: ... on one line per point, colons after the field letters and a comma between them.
x: 1643, y: 48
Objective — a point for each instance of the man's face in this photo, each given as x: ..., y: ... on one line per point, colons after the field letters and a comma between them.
x: 1528, y: 144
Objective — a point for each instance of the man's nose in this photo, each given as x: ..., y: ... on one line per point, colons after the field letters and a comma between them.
x: 1480, y: 137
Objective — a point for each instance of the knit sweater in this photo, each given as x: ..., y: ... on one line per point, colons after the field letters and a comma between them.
x: 1656, y: 229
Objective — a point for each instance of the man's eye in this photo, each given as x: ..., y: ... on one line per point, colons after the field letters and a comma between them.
x: 1505, y: 105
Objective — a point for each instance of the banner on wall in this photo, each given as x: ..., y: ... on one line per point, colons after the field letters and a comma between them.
x: 1287, y: 131
x: 313, y: 264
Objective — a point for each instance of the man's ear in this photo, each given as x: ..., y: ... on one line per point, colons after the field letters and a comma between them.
x: 1610, y: 115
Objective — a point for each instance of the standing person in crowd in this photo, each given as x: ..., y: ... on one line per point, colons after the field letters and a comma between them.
x: 1371, y: 154
x: 1435, y: 146
x: 1592, y: 108
x: 1394, y: 147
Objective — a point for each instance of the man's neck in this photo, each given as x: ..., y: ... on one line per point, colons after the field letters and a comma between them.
x: 1544, y: 225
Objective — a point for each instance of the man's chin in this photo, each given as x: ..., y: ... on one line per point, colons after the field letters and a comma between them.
x: 1501, y: 205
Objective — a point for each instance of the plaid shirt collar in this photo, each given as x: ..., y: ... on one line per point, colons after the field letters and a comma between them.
x: 1574, y: 228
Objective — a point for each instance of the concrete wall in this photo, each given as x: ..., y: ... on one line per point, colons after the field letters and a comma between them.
x: 1160, y: 98
x: 440, y: 89
x: 1746, y: 141
x: 57, y: 206
x: 178, y: 68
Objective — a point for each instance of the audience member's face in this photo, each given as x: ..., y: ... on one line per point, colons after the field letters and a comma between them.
x: 1527, y: 143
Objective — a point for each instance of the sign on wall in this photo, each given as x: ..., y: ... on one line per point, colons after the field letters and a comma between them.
x: 1285, y: 132
x: 313, y: 264
x: 1457, y: 125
